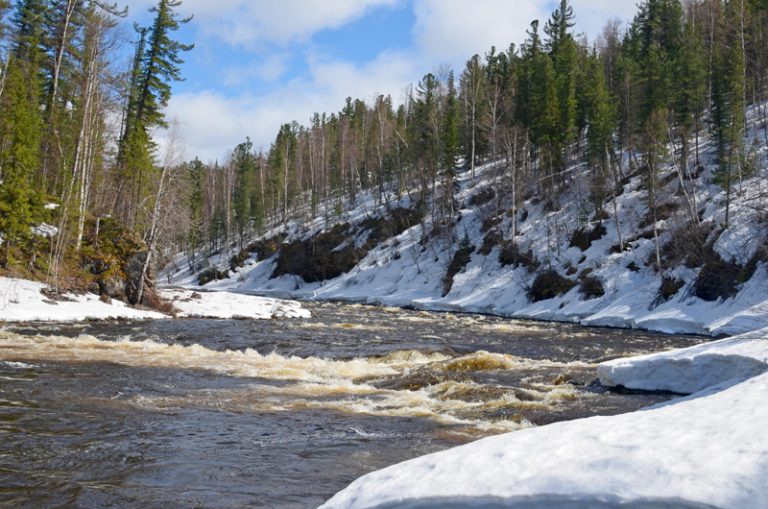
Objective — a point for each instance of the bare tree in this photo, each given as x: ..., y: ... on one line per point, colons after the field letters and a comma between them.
x: 173, y: 153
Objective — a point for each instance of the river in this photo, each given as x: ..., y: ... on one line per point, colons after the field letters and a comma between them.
x: 229, y: 414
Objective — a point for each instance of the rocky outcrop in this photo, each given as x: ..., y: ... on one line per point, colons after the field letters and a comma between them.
x: 114, y: 257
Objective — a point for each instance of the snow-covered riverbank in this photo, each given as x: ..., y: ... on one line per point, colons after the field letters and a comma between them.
x: 28, y: 301
x: 707, y: 450
x: 615, y: 253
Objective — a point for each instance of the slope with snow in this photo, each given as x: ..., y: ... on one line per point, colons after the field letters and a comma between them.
x: 403, y: 271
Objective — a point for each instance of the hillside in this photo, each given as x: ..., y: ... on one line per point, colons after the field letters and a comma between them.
x: 564, y: 265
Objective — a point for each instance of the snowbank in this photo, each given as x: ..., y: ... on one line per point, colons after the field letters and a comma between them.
x: 226, y: 305
x: 23, y: 301
x: 707, y: 450
x: 692, y: 369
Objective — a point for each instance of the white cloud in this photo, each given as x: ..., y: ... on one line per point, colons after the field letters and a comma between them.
x: 267, y: 70
x: 592, y: 15
x: 453, y: 30
x: 211, y: 123
x: 253, y: 23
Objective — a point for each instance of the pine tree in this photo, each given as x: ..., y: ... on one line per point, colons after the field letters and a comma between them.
x: 4, y: 6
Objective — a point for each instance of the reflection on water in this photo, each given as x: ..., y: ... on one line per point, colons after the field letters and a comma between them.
x: 280, y: 413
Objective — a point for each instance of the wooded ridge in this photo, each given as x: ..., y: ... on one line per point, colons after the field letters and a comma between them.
x: 629, y: 104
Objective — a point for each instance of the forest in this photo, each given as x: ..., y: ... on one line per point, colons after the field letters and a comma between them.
x: 77, y: 149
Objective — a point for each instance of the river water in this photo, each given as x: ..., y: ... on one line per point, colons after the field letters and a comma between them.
x: 229, y: 414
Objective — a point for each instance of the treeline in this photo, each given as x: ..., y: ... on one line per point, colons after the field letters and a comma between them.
x: 678, y: 70
x: 75, y: 140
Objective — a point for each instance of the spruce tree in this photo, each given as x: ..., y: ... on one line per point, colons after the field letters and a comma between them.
x: 600, y: 128
x: 691, y: 80
x: 728, y: 107
x: 545, y: 123
x: 450, y: 130
x: 450, y: 145
x: 150, y: 91
x: 564, y: 53
x: 245, y: 169
x: 20, y: 129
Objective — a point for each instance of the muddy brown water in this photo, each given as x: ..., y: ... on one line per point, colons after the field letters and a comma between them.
x: 225, y: 414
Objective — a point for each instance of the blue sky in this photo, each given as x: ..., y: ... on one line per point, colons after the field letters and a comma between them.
x: 260, y: 63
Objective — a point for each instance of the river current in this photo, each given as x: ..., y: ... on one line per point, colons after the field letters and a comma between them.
x: 279, y: 414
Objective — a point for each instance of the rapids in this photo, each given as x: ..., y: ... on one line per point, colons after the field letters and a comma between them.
x: 279, y: 413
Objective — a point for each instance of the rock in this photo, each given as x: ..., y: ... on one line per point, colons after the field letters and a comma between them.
x: 133, y: 278
x: 112, y: 286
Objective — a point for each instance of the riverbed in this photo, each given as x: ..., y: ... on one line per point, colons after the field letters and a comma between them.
x: 280, y: 413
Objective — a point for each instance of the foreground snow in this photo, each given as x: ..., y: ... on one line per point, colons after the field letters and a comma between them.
x: 23, y: 301
x: 707, y: 450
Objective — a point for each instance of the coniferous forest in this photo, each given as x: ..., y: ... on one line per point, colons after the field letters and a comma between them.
x: 77, y: 149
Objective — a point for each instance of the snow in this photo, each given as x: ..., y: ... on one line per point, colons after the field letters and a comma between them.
x: 44, y: 230
x: 693, y: 369
x: 226, y: 305
x: 707, y: 450
x: 22, y: 301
